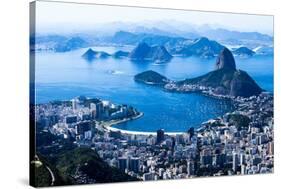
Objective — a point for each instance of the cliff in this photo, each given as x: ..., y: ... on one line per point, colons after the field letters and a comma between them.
x: 226, y: 80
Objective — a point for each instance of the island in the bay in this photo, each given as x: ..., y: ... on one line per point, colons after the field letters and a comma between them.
x: 76, y: 142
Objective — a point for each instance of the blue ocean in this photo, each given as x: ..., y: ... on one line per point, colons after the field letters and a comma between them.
x: 62, y: 76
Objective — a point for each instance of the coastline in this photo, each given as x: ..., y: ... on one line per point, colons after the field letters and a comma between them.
x: 109, y: 127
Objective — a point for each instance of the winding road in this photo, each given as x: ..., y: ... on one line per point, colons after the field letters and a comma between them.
x: 52, y: 175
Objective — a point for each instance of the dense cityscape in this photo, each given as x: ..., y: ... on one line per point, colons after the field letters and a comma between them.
x: 157, y: 95
x: 237, y: 143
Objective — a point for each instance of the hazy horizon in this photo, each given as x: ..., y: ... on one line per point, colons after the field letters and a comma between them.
x: 74, y: 18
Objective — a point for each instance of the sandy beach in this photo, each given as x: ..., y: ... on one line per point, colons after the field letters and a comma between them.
x: 108, y: 126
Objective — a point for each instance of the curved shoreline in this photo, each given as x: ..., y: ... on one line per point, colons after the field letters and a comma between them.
x: 108, y: 126
x: 142, y: 132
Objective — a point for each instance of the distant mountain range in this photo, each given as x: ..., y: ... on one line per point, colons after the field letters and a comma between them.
x: 128, y: 38
x: 202, y: 47
x: 223, y: 34
x: 142, y: 52
x: 162, y: 48
x: 207, y: 46
x: 180, y: 46
x: 175, y: 28
x: 70, y: 44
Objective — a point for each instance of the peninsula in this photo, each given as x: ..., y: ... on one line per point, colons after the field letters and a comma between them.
x: 224, y: 81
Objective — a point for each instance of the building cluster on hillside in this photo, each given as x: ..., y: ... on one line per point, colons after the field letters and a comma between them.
x: 240, y: 142
x: 196, y: 88
x: 186, y: 87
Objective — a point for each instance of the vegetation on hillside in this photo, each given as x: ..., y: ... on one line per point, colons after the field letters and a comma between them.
x: 71, y: 164
x: 151, y: 77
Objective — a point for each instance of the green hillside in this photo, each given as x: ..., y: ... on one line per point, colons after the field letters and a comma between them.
x: 71, y: 164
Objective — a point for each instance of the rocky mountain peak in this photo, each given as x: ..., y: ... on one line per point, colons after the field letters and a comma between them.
x: 225, y: 60
x: 150, y: 53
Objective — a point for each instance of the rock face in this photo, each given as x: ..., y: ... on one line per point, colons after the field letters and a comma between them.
x: 243, y: 85
x: 225, y: 60
x: 160, y: 54
x: 140, y: 52
x: 226, y: 80
x: 144, y: 52
x: 90, y: 54
x: 151, y: 77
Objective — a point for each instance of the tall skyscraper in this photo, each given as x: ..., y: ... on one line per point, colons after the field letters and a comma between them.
x: 243, y: 169
x: 93, y: 109
x: 134, y: 164
x: 242, y: 158
x: 219, y: 160
x: 190, y: 168
x: 161, y: 172
x: 206, y: 160
x: 75, y: 103
x: 71, y: 119
x: 122, y: 163
x: 99, y: 110
x: 83, y: 127
x: 271, y: 148
x: 160, y: 136
x: 105, y: 112
x: 235, y: 162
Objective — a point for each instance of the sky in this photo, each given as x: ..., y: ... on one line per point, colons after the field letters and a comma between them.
x: 62, y: 17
